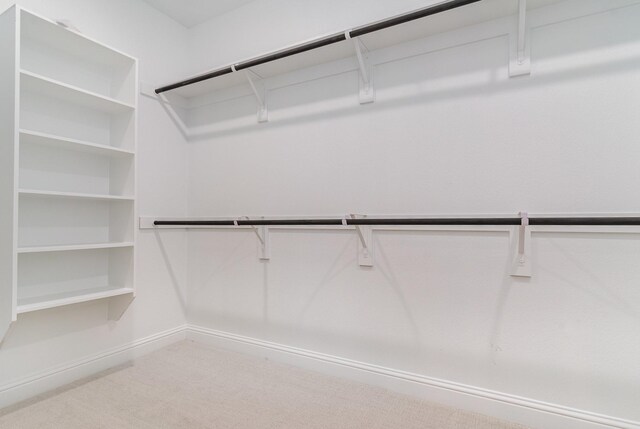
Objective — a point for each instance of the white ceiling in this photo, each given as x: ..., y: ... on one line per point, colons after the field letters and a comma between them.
x: 193, y: 12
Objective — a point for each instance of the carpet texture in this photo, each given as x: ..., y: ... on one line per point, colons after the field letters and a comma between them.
x: 193, y: 386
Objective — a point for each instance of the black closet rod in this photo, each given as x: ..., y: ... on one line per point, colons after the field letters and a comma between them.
x: 329, y: 40
x: 578, y: 221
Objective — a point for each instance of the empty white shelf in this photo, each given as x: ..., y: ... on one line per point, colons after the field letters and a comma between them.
x: 70, y: 247
x: 59, y: 39
x: 64, y: 143
x: 42, y: 85
x: 56, y: 194
x: 56, y: 300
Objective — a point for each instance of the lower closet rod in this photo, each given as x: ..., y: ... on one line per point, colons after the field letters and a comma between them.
x: 579, y: 221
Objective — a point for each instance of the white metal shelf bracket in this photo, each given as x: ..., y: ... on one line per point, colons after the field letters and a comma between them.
x: 520, y: 44
x: 521, y: 266
x: 259, y: 91
x: 264, y: 246
x: 367, y: 90
x: 365, y: 244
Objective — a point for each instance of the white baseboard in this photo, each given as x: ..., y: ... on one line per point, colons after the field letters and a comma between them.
x: 53, y: 378
x: 529, y: 412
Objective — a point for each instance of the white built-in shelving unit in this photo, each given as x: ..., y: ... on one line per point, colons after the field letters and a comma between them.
x: 67, y: 168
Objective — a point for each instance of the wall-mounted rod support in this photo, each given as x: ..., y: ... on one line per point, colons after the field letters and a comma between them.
x: 365, y: 248
x: 363, y: 67
x: 521, y: 266
x: 318, y: 43
x: 522, y: 231
x: 361, y: 236
x: 259, y: 97
x: 516, y: 221
x: 522, y: 25
x: 262, y: 232
x: 255, y: 230
x: 520, y: 44
x: 358, y: 230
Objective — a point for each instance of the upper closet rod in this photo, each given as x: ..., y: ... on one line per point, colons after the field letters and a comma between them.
x: 578, y: 221
x: 318, y: 43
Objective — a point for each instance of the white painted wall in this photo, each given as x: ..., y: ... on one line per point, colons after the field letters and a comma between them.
x: 42, y: 341
x: 449, y: 133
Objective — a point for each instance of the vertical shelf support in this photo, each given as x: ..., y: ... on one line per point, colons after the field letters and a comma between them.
x: 264, y: 248
x: 9, y: 120
x: 365, y: 244
x: 367, y: 91
x: 520, y: 46
x: 521, y: 266
x: 259, y: 91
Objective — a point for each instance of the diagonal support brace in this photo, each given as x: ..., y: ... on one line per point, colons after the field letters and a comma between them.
x: 264, y: 247
x: 257, y: 86
x: 520, y: 44
x: 521, y: 266
x: 364, y: 74
x: 365, y: 244
x: 367, y: 92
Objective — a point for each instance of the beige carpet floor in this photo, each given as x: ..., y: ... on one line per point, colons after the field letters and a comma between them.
x: 189, y: 385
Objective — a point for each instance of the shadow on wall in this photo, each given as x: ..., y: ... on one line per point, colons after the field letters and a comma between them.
x: 236, y: 110
x: 345, y: 262
x: 476, y: 325
x: 175, y: 282
x: 38, y: 325
x: 335, y: 275
x: 602, y: 289
x: 456, y: 366
x: 74, y: 327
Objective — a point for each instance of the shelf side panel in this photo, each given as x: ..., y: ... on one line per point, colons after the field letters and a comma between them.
x: 8, y: 165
